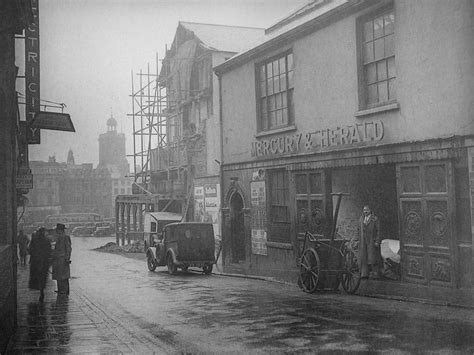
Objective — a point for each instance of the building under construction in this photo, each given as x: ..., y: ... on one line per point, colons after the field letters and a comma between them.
x: 176, y: 128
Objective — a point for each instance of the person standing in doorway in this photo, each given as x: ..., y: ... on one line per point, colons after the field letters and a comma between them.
x: 40, y: 259
x: 369, y: 247
x: 62, y: 259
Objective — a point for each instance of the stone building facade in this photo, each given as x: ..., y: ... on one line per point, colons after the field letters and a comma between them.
x: 369, y: 98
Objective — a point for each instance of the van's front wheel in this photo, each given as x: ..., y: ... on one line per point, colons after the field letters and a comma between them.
x: 172, y: 268
x: 150, y: 262
x: 207, y: 268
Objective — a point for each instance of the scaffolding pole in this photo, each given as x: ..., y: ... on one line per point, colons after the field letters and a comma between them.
x: 149, y: 122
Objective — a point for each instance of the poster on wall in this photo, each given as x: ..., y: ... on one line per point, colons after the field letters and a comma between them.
x: 198, y: 203
x: 212, y: 206
x: 207, y: 206
x: 259, y: 217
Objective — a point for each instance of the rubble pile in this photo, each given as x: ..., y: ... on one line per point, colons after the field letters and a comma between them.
x: 112, y: 247
x: 137, y: 247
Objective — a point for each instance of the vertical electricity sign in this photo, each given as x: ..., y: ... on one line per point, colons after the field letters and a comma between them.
x: 32, y: 74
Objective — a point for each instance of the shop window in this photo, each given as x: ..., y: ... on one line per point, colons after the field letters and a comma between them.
x: 279, y: 207
x: 377, y: 59
x: 275, y: 93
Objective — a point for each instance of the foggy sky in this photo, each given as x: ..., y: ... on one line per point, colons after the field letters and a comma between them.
x: 88, y: 49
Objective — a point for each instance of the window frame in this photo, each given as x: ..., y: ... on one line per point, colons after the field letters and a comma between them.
x: 273, y: 223
x: 288, y: 92
x: 390, y: 103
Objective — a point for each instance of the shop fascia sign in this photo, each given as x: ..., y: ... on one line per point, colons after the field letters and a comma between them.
x: 32, y: 74
x: 57, y: 121
x: 351, y: 135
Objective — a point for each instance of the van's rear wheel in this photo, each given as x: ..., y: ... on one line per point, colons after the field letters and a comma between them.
x: 172, y: 268
x: 207, y: 268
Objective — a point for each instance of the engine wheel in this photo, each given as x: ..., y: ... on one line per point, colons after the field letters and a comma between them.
x: 350, y: 277
x: 309, y: 270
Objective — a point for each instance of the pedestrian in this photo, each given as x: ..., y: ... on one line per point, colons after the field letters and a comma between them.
x: 23, y: 247
x: 62, y: 259
x: 40, y: 260
x: 369, y: 244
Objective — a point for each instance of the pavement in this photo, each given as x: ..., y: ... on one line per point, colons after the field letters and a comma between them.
x: 61, y: 324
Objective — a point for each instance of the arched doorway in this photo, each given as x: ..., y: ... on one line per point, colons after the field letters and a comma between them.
x: 237, y: 231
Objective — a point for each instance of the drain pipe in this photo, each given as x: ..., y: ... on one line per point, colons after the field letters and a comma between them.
x: 221, y: 163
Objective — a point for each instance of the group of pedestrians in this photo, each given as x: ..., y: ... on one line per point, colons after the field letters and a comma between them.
x: 45, y: 252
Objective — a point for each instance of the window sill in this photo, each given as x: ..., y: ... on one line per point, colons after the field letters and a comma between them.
x: 378, y: 109
x: 276, y: 131
x: 277, y: 245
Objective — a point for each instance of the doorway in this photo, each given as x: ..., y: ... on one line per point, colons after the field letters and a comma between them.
x: 237, y: 230
x: 425, y: 192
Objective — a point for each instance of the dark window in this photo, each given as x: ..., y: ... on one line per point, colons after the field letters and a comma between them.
x: 309, y: 188
x: 275, y: 93
x: 377, y: 53
x: 279, y: 207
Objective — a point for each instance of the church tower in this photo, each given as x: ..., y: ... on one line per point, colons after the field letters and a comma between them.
x: 112, y: 150
x: 70, y: 158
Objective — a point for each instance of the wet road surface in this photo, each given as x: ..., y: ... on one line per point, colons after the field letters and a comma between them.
x: 138, y: 311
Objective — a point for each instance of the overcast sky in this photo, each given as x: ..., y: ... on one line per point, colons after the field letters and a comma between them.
x: 88, y: 49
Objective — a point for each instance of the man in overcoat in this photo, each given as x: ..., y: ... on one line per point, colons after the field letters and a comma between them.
x: 62, y: 259
x: 369, y: 244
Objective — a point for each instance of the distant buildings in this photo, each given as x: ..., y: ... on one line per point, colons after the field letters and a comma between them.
x: 112, y: 157
x: 70, y: 187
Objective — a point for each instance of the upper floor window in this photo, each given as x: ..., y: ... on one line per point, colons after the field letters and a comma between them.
x: 275, y: 92
x: 377, y: 59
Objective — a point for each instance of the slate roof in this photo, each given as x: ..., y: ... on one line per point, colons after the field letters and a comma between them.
x: 307, y: 16
x: 225, y: 38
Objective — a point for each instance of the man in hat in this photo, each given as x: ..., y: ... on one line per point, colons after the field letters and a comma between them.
x: 62, y: 259
x: 369, y: 247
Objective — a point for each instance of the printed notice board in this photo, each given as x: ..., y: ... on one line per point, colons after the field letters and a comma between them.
x: 259, y: 217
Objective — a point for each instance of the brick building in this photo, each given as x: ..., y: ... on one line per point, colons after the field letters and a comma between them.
x: 15, y: 16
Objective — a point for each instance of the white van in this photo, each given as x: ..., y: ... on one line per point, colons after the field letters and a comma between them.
x: 154, y: 223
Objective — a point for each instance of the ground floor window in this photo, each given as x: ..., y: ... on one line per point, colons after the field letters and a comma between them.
x: 310, y: 202
x: 279, y: 221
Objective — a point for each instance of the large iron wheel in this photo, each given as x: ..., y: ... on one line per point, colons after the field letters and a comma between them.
x: 172, y: 268
x: 150, y: 262
x: 350, y: 277
x: 309, y: 270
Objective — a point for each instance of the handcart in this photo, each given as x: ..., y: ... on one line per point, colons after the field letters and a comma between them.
x: 328, y: 262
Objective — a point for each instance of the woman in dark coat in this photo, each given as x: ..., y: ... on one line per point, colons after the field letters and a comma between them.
x: 40, y: 260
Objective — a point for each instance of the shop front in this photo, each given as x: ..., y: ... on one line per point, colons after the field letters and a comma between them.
x: 420, y: 192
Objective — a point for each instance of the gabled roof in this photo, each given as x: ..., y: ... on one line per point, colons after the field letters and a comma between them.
x: 225, y: 38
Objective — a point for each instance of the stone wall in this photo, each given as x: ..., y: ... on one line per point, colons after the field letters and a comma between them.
x: 7, y: 295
